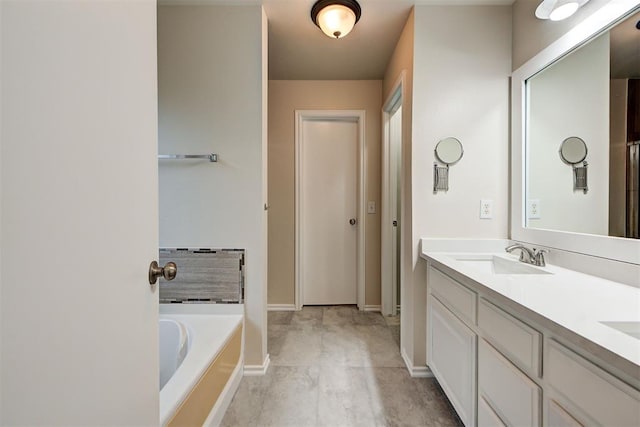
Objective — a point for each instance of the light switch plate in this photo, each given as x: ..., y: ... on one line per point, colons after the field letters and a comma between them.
x: 371, y: 207
x: 486, y: 209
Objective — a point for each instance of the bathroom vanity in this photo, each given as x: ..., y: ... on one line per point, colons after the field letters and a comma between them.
x: 518, y: 345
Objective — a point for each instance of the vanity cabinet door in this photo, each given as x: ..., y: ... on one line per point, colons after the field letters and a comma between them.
x: 452, y: 358
x: 486, y: 416
x: 601, y: 398
x: 515, y: 398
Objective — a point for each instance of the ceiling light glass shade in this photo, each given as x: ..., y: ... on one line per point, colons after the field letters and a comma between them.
x: 336, y: 18
x: 563, y: 11
x: 557, y: 10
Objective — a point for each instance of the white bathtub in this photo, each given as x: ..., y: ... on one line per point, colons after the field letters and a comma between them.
x: 208, y: 329
x: 174, y: 345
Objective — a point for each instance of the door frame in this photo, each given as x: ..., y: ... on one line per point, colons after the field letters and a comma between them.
x: 357, y: 116
x: 387, y: 290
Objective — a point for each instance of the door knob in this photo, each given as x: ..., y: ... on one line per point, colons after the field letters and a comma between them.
x: 169, y: 271
x: 395, y: 223
x: 352, y: 221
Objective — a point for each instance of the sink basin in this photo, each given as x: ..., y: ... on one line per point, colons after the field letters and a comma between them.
x: 630, y: 328
x: 496, y: 265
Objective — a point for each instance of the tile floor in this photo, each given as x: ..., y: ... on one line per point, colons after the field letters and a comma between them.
x: 336, y: 366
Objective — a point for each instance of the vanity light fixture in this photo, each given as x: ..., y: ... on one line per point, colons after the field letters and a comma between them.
x: 557, y: 10
x: 336, y: 18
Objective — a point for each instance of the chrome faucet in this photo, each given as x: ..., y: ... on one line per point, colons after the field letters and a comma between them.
x: 529, y: 256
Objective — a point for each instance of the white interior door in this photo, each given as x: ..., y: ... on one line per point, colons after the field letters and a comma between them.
x: 328, y: 192
x: 79, y: 216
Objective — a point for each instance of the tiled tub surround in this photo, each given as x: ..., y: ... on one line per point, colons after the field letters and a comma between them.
x: 566, y: 358
x: 204, y: 276
x: 202, y: 387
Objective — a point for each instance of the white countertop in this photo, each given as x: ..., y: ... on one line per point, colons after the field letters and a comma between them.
x: 208, y: 333
x: 572, y: 300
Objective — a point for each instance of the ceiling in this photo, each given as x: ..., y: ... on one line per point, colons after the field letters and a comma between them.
x: 298, y: 50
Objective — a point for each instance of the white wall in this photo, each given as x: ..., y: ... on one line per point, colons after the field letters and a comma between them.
x: 571, y: 98
x: 212, y: 95
x: 462, y: 65
x: 457, y: 62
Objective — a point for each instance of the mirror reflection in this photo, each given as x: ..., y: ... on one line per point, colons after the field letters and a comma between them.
x: 589, y: 98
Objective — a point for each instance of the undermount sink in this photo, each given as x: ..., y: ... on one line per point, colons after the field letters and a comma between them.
x: 630, y: 328
x: 493, y: 264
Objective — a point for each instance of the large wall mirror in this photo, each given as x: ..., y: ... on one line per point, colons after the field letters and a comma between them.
x: 584, y: 87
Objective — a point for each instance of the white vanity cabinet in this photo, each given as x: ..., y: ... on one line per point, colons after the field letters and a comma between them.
x: 500, y: 368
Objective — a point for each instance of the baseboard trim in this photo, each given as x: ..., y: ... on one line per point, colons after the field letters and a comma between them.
x: 281, y: 307
x: 257, y: 370
x: 224, y: 400
x: 415, y: 371
x: 372, y: 308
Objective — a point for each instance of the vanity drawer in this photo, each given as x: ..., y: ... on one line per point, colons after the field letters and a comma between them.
x: 517, y: 340
x: 456, y: 297
x: 514, y: 396
x: 602, y: 397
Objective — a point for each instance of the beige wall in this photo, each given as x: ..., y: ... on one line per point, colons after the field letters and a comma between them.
x: 402, y: 62
x: 286, y: 96
x: 531, y: 35
x: 212, y: 99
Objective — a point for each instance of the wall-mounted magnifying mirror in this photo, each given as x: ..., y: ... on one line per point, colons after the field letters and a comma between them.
x: 448, y: 151
x: 573, y: 151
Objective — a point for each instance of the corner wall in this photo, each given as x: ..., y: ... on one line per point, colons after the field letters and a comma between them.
x: 286, y: 96
x: 460, y: 87
x: 402, y: 62
x: 211, y: 99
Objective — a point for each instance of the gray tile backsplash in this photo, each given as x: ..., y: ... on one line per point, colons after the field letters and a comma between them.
x: 204, y: 276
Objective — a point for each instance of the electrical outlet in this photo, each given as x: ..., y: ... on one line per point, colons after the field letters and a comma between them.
x: 371, y: 207
x: 486, y: 209
x: 533, y: 209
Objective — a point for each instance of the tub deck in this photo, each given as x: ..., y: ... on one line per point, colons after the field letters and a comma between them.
x: 209, y: 333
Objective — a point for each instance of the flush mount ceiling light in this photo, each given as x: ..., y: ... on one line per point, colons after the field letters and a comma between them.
x: 557, y: 10
x: 335, y: 18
